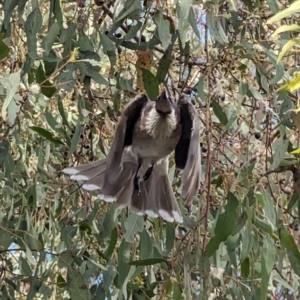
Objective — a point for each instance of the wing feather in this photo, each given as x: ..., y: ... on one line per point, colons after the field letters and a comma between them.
x: 123, y: 136
x: 187, y: 151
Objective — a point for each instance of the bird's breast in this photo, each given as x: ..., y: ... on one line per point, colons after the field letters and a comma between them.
x: 155, y: 148
x: 155, y: 136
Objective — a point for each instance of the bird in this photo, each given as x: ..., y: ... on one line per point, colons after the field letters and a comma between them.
x: 135, y: 171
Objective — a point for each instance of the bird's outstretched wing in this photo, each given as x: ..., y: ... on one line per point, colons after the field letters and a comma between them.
x: 123, y: 136
x: 187, y: 151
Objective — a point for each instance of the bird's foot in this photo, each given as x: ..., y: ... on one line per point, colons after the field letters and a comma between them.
x: 136, y: 184
x: 148, y: 173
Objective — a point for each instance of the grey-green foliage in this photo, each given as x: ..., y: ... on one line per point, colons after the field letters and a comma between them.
x: 67, y: 72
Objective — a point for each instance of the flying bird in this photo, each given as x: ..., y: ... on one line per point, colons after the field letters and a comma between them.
x: 135, y: 171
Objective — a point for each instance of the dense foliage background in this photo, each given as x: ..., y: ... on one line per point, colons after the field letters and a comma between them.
x: 67, y: 68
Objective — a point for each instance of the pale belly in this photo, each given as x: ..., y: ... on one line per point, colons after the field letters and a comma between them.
x: 146, y: 147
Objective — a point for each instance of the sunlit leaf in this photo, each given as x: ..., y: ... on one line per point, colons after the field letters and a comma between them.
x: 297, y: 151
x: 287, y: 47
x: 284, y: 28
x: 294, y: 7
x: 294, y: 84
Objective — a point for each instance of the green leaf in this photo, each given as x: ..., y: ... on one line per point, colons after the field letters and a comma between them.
x: 225, y: 224
x: 60, y: 281
x: 192, y: 21
x: 46, y: 134
x: 288, y: 243
x: 76, y: 284
x: 123, y: 261
x: 46, y: 88
x: 33, y: 25
x: 150, y: 84
x: 145, y: 246
x: 282, y: 282
x: 147, y: 262
x: 217, y: 108
x: 133, y: 224
x: 177, y: 295
x: 13, y: 109
x: 246, y: 241
x: 268, y: 260
x: 284, y: 28
x: 292, y: 85
x: 287, y: 47
x: 4, y: 147
x: 131, y: 7
x: 263, y: 226
x: 58, y: 13
x: 75, y: 140
x: 279, y: 148
x: 215, y: 28
x: 183, y: 10
x: 200, y: 88
x: 4, y: 49
x: 240, y: 223
x: 113, y: 241
x: 165, y: 61
x: 245, y: 267
x: 269, y: 209
x: 67, y: 34
x: 273, y: 6
x: 279, y: 74
x: 117, y: 101
x: 163, y: 65
x: 96, y: 76
x: 24, y: 266
x: 11, y: 83
x: 170, y: 236
x: 232, y: 243
x: 62, y: 112
x: 292, y: 202
x: 5, y: 238
x: 8, y: 9
x: 66, y: 79
x: 163, y: 27
x: 255, y: 93
x: 204, y: 264
x: 51, y: 37
x: 132, y: 31
x: 294, y: 7
x: 109, y: 222
x: 125, y: 84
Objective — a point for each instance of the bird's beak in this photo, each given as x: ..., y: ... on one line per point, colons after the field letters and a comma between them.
x: 164, y: 103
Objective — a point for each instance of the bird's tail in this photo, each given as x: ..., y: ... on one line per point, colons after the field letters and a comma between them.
x: 119, y: 190
x: 155, y: 199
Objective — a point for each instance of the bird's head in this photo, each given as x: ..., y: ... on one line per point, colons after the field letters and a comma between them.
x: 164, y: 103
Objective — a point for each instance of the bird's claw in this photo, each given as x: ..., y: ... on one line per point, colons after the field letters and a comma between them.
x: 148, y: 173
x: 136, y: 184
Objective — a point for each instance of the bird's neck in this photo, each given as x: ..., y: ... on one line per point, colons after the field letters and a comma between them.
x: 160, y: 125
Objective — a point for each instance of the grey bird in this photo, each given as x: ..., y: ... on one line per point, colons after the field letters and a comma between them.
x: 135, y: 171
